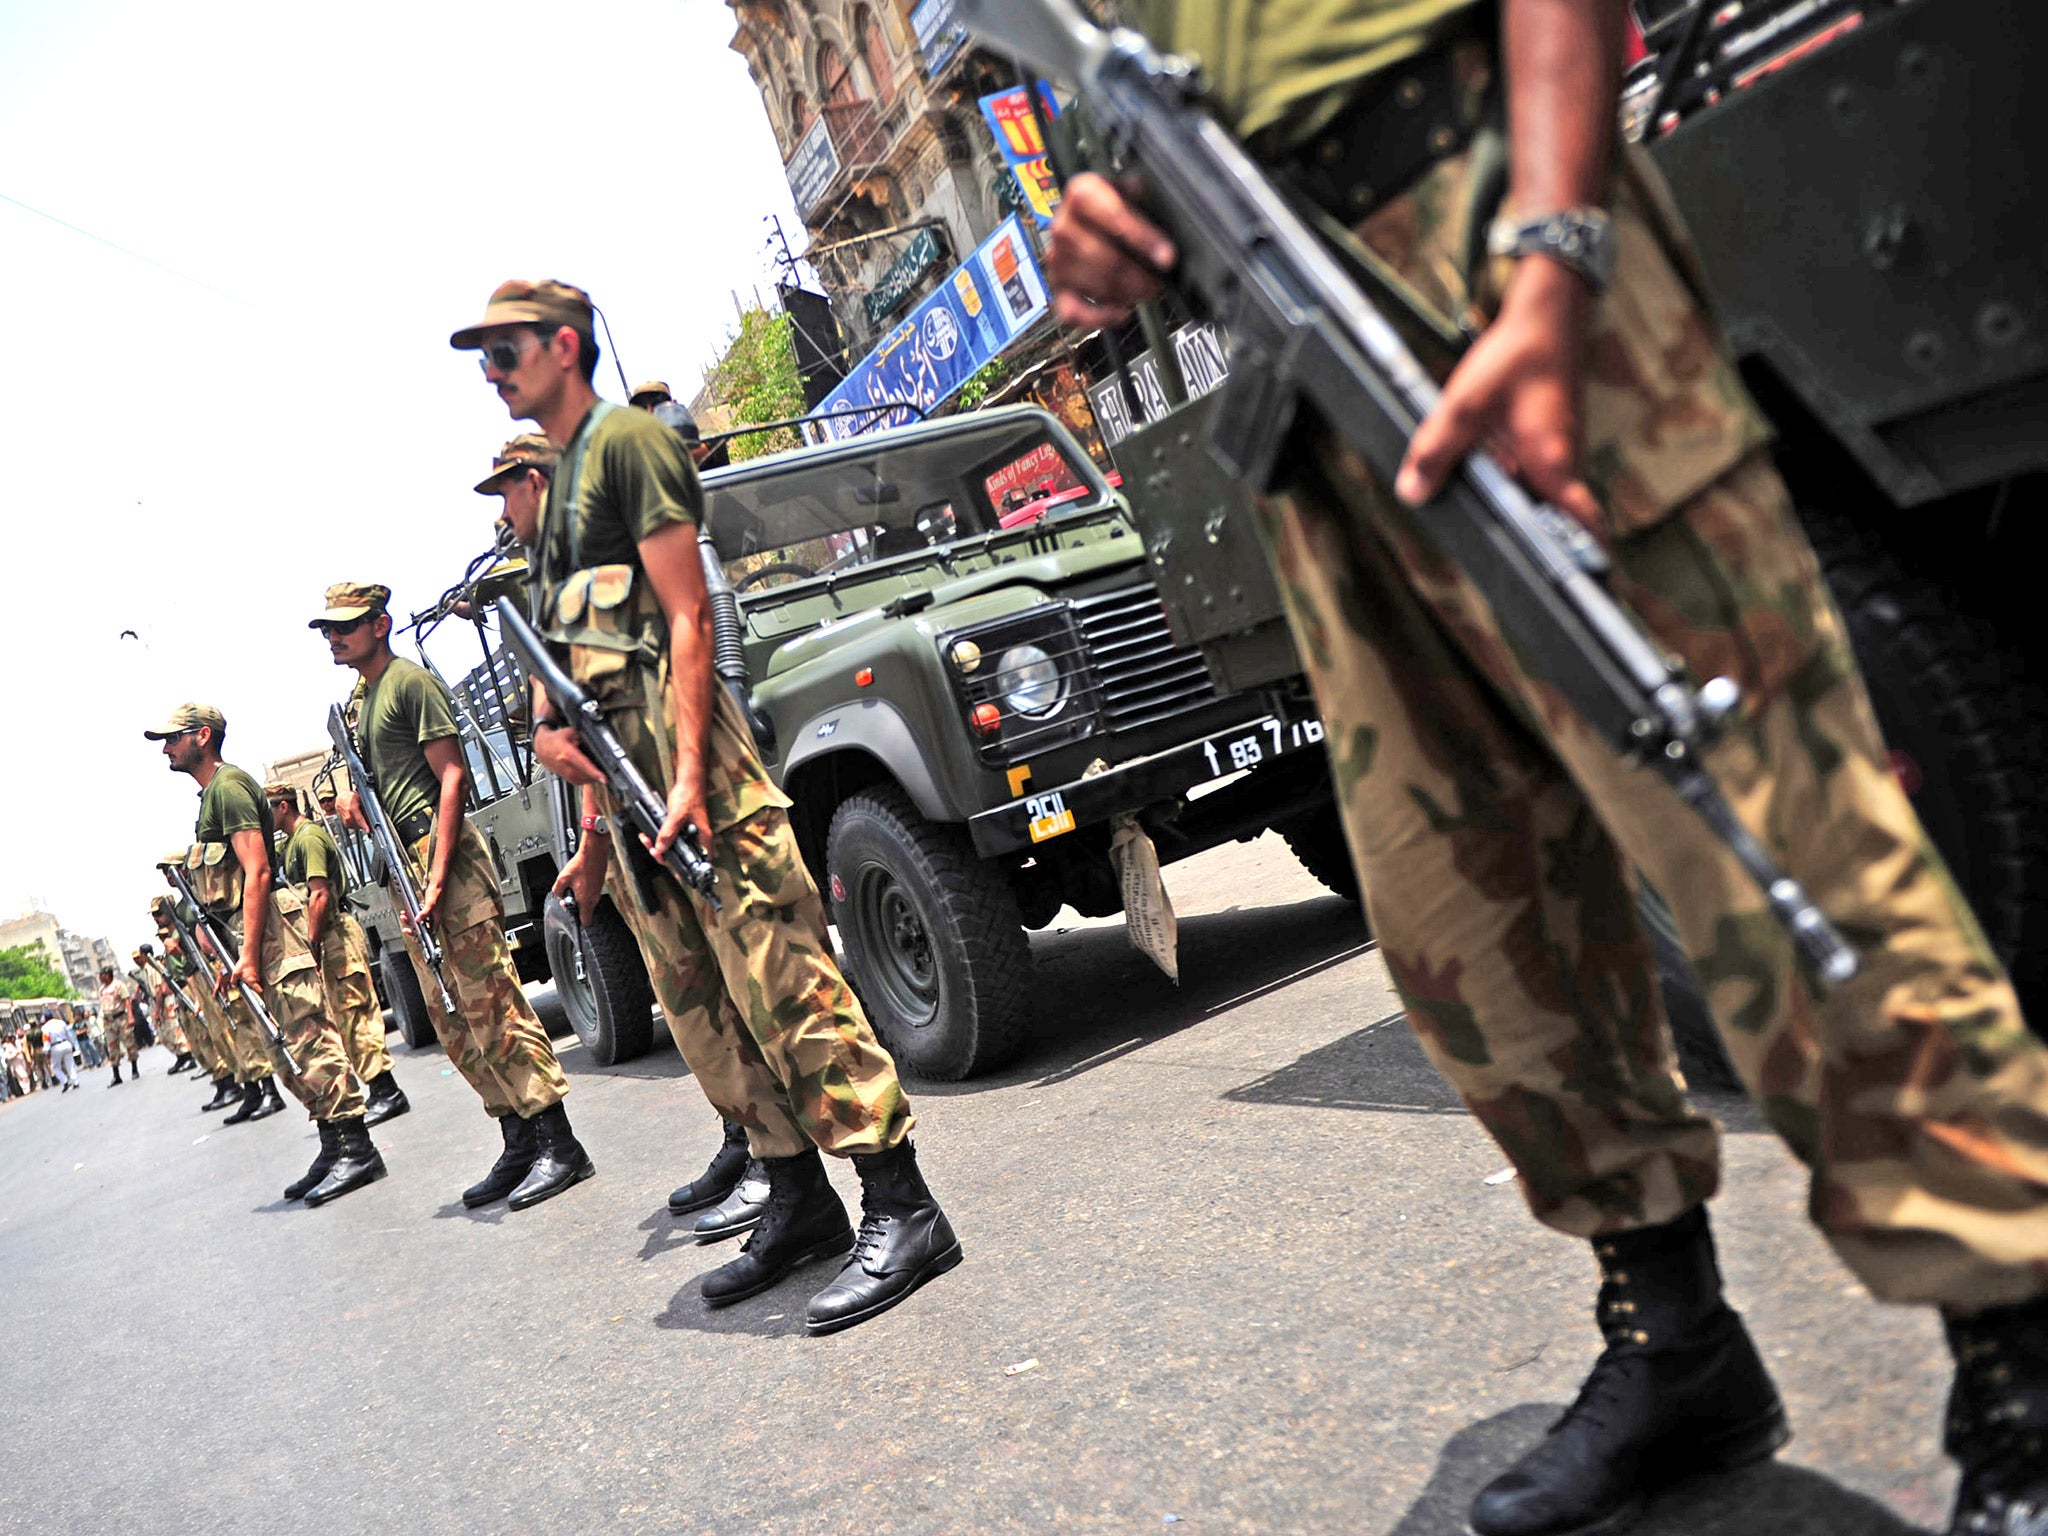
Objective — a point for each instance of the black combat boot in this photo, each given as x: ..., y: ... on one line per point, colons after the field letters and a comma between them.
x: 728, y: 1165
x: 252, y: 1100
x: 360, y: 1163
x: 326, y: 1158
x: 904, y: 1241
x: 803, y: 1221
x: 224, y: 1094
x: 522, y: 1145
x: 562, y: 1160
x: 273, y: 1101
x: 1998, y: 1420
x: 117, y: 1074
x: 387, y: 1099
x: 1679, y: 1390
x: 739, y: 1211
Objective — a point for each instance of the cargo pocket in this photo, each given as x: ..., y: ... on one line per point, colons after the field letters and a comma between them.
x: 216, y: 877
x: 286, y: 949
x: 596, y: 615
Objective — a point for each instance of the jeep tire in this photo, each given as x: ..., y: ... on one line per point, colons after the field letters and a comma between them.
x: 601, y: 981
x: 934, y: 940
x: 408, y: 1004
x: 1318, y: 842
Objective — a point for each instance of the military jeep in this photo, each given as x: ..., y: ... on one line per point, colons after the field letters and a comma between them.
x: 960, y: 670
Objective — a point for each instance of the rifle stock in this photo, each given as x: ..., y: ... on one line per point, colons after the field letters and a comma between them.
x: 1304, y: 335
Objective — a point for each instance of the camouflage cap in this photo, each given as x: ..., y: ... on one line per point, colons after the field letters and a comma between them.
x: 518, y: 302
x: 351, y: 600
x: 529, y: 450
x: 653, y: 387
x: 277, y: 789
x: 189, y: 717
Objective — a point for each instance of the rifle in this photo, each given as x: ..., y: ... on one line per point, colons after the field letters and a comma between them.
x: 213, y: 933
x: 642, y: 808
x: 1304, y: 334
x: 395, y: 857
x: 163, y: 973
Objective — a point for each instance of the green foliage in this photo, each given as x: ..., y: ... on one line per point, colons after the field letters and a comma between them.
x: 757, y: 380
x: 985, y: 381
x: 25, y: 971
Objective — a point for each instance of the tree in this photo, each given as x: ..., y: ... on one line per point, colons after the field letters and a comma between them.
x: 757, y: 381
x: 25, y: 971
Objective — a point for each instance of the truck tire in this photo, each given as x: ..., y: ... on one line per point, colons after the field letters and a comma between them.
x: 408, y: 1005
x: 1317, y: 840
x: 601, y: 981
x: 1966, y: 725
x: 934, y: 940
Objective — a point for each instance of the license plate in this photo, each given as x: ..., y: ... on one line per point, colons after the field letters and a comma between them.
x: 1261, y: 741
x: 1049, y: 816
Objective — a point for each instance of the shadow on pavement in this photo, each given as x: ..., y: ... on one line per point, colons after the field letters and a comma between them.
x: 1095, y: 999
x: 777, y: 1313
x: 488, y: 1215
x: 1380, y: 1067
x: 1772, y: 1498
x: 666, y: 1233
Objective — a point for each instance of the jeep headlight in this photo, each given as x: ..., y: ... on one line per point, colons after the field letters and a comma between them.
x: 1030, y: 681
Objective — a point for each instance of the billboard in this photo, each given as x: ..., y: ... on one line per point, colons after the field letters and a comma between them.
x: 1016, y: 131
x: 939, y: 33
x: 1204, y: 363
x: 990, y: 300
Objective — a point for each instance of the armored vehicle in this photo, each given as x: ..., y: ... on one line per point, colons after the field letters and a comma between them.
x: 960, y: 669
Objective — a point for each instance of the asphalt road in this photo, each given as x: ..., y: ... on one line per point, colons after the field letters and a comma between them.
x: 1243, y: 1231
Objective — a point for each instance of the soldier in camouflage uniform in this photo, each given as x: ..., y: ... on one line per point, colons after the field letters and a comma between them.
x: 115, y: 1023
x: 242, y: 1039
x: 200, y: 1033
x: 230, y: 871
x: 406, y: 734
x: 1494, y: 832
x: 171, y: 1032
x: 312, y: 862
x: 756, y: 1003
x: 196, y: 976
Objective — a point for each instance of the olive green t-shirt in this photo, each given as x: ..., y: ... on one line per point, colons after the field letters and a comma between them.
x: 636, y: 479
x: 1289, y: 65
x: 233, y: 803
x: 310, y: 854
x: 402, y: 711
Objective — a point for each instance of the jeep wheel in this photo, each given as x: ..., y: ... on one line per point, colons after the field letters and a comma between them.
x: 934, y: 941
x: 601, y: 981
x: 1318, y: 841
x: 408, y: 1006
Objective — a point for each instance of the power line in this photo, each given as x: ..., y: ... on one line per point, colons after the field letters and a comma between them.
x: 124, y: 250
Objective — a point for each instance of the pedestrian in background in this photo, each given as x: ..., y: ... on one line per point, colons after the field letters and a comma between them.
x: 60, y: 1043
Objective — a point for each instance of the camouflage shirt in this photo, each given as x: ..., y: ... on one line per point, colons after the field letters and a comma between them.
x: 1288, y: 65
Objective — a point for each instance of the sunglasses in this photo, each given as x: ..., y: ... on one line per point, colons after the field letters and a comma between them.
x: 504, y: 354
x: 190, y: 730
x: 344, y: 626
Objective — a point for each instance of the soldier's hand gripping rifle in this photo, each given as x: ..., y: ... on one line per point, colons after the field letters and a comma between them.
x: 163, y: 973
x: 1304, y: 334
x: 385, y: 835
x: 643, y: 809
x: 214, y: 939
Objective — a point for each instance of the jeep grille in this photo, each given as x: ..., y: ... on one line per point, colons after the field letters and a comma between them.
x: 1143, y: 677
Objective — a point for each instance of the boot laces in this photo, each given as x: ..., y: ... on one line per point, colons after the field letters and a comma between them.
x: 782, y: 1200
x: 1607, y: 1387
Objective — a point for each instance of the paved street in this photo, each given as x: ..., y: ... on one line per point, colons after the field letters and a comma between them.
x: 1244, y: 1232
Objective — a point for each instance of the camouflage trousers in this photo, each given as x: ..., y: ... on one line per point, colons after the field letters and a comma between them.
x: 199, y: 1037
x: 352, y: 996
x: 755, y: 1000
x: 1495, y: 835
x: 494, y: 1038
x: 295, y: 999
x: 120, y: 1039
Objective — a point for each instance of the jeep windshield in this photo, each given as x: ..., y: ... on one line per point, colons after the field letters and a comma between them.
x: 819, y: 511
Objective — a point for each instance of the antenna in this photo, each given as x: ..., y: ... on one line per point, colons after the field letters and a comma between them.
x: 616, y: 363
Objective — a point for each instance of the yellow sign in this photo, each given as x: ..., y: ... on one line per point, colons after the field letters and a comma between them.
x: 1019, y: 777
x: 1049, y: 816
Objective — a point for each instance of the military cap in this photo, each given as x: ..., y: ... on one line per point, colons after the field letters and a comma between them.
x: 518, y: 302
x: 652, y: 387
x: 529, y: 450
x: 351, y: 600
x: 277, y: 789
x: 189, y: 717
x: 176, y: 856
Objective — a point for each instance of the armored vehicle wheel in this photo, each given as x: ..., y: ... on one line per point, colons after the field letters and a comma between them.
x: 602, y: 982
x: 934, y: 941
x: 1966, y: 724
x: 1317, y: 839
x: 408, y: 1006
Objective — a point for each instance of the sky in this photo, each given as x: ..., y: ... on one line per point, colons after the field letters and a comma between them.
x: 254, y: 396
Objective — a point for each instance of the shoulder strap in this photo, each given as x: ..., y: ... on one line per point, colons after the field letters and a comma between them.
x: 562, y: 549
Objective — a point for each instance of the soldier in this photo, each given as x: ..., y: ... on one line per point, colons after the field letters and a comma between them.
x: 228, y: 1088
x: 170, y: 978
x: 119, y: 1028
x: 1494, y: 831
x: 230, y: 871
x: 766, y: 1022
x: 406, y: 733
x: 256, y: 1092
x: 646, y: 397
x: 171, y: 1031
x: 519, y: 475
x: 312, y: 862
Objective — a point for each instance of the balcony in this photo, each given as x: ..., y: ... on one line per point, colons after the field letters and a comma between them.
x: 846, y: 141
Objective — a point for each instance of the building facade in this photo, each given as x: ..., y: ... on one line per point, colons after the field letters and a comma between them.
x: 77, y: 957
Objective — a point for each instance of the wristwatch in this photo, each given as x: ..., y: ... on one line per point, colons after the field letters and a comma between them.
x: 598, y: 825
x: 1579, y: 238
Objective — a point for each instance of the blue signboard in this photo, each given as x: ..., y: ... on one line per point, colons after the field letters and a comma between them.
x: 812, y: 167
x: 939, y: 33
x: 990, y: 300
